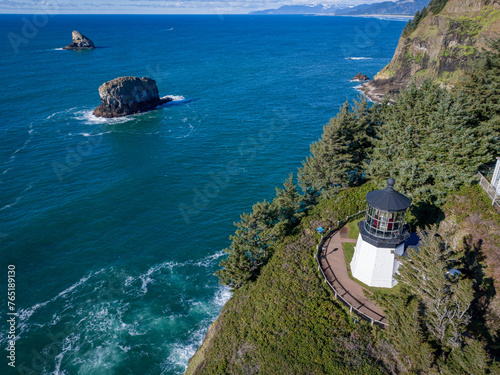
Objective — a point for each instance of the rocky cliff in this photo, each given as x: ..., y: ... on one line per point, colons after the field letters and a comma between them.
x: 80, y: 41
x: 128, y: 95
x: 441, y: 43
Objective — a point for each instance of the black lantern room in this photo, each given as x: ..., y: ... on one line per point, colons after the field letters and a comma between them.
x: 384, y: 224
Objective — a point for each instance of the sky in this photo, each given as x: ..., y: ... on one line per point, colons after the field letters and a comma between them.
x: 152, y: 6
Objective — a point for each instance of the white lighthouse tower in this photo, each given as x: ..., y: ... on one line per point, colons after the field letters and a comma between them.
x: 381, y: 237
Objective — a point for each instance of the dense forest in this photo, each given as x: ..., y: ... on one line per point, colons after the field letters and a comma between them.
x: 432, y: 141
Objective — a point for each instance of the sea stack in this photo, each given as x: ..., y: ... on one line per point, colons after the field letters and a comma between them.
x: 360, y: 77
x: 125, y: 96
x: 80, y: 41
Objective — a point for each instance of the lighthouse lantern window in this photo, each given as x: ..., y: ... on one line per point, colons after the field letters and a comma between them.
x: 386, y: 212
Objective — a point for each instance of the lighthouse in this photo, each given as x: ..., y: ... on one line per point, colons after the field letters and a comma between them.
x: 381, y: 237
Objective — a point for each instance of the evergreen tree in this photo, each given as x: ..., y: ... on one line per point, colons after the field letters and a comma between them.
x: 429, y: 143
x: 236, y: 269
x: 445, y: 298
x: 251, y: 245
x: 336, y: 160
x: 405, y: 333
x: 288, y: 204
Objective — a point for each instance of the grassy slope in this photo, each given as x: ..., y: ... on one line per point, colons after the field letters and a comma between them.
x: 287, y: 322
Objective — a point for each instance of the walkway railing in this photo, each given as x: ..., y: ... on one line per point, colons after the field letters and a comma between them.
x: 328, y: 234
x: 490, y: 190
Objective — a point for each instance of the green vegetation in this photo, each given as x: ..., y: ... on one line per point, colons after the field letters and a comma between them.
x: 413, y: 23
x: 353, y: 229
x: 348, y: 252
x: 282, y: 319
x: 287, y: 322
x: 436, y: 6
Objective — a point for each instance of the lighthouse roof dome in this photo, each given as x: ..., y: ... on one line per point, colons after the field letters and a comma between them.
x: 388, y: 199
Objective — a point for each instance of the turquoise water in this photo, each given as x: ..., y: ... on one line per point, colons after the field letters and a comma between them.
x: 116, y: 226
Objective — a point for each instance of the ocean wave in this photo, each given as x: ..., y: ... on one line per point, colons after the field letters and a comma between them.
x: 209, y: 260
x: 174, y: 98
x: 88, y: 117
x: 181, y: 352
x: 358, y: 89
x: 358, y: 58
x: 191, y: 129
x: 14, y: 154
x: 18, y: 199
x: 25, y: 314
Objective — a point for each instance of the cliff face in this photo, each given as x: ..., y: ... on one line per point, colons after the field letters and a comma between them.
x: 441, y: 47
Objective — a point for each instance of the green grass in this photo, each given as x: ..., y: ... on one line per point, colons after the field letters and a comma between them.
x: 348, y: 254
x: 353, y: 229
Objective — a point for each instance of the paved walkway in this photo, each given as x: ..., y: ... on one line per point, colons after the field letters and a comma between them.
x: 334, y: 267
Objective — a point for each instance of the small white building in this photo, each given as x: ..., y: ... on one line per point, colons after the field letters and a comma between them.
x: 381, y: 237
x: 495, y: 180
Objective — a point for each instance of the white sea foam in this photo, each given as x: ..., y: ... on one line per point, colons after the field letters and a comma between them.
x: 358, y: 89
x: 180, y: 353
x: 25, y: 314
x: 18, y: 199
x: 14, y: 154
x: 191, y: 129
x: 210, y: 260
x: 358, y: 58
x: 175, y: 98
x: 87, y: 116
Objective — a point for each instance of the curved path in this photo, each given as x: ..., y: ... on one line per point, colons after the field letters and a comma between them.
x: 333, y: 263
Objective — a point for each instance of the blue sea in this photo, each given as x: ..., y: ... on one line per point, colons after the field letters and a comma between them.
x: 116, y: 226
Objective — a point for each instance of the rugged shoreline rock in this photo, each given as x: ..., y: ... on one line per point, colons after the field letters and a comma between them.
x: 80, y: 41
x: 125, y: 96
x: 360, y: 78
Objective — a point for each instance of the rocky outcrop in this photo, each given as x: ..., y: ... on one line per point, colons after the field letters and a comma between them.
x: 80, y: 41
x: 441, y: 45
x: 125, y: 96
x: 360, y: 78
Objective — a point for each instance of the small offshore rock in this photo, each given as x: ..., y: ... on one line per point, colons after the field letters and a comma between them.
x: 125, y: 96
x: 80, y: 41
x: 360, y: 77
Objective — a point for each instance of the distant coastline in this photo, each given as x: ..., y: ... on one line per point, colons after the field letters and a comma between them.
x: 388, y: 16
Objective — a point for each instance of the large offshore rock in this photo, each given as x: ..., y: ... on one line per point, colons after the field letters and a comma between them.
x: 80, y: 41
x: 128, y: 95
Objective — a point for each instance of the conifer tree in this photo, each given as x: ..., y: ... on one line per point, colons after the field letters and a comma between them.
x: 336, y: 160
x: 405, y: 333
x: 287, y: 203
x: 445, y: 298
x: 251, y: 245
x: 237, y: 268
x: 429, y: 143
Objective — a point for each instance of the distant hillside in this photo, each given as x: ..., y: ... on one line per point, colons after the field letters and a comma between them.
x: 302, y: 9
x: 440, y: 43
x: 400, y: 7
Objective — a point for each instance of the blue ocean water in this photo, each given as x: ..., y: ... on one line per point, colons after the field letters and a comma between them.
x: 116, y: 226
